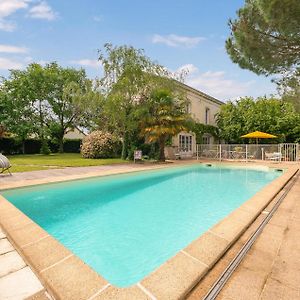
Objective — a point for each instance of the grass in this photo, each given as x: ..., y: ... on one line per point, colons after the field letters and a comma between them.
x: 32, y: 162
x: 16, y: 169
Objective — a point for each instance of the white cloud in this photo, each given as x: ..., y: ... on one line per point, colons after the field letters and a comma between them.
x: 92, y: 63
x: 38, y: 10
x: 12, y: 49
x: 42, y: 11
x: 7, y: 26
x: 7, y: 8
x: 174, y: 40
x: 8, y: 64
x: 216, y: 84
x: 188, y: 68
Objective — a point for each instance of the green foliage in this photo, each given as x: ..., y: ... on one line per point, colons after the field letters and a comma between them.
x: 24, y: 163
x: 46, y: 101
x: 265, y: 38
x: 128, y: 81
x: 268, y: 115
x: 163, y: 116
x: 72, y: 145
x: 289, y: 87
x: 13, y: 145
x: 45, y: 147
x: 14, y: 105
x: 99, y: 144
x: 200, y: 129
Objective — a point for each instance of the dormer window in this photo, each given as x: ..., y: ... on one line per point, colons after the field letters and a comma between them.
x: 207, y: 112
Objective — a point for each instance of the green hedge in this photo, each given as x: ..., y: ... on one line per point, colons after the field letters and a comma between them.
x: 33, y: 146
x: 10, y: 146
x: 72, y: 146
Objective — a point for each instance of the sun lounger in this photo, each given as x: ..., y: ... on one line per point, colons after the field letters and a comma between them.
x: 4, y: 164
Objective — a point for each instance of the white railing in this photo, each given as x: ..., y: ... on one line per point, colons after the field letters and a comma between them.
x: 246, y: 152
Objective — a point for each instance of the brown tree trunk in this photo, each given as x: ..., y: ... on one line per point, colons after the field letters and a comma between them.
x: 61, y: 142
x: 124, y: 146
x: 61, y: 146
x: 162, y: 142
x: 23, y: 146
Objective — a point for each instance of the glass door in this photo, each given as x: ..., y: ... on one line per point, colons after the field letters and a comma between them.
x: 185, y: 143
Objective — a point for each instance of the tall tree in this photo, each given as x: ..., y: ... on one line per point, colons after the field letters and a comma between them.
x: 17, y: 114
x: 269, y: 115
x: 51, y: 97
x: 129, y: 77
x: 289, y: 88
x: 265, y: 37
x: 163, y: 117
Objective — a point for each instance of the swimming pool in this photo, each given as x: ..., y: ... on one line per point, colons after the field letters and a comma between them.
x: 125, y: 226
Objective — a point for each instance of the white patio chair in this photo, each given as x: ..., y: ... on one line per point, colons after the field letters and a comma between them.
x: 4, y: 164
x: 273, y: 156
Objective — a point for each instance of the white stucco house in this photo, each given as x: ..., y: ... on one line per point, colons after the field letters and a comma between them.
x: 75, y: 134
x: 203, y: 109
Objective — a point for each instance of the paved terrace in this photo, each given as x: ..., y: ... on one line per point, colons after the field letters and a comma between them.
x: 23, y: 178
x: 17, y: 280
x: 271, y: 270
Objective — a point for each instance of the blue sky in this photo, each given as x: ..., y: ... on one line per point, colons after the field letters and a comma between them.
x: 186, y: 34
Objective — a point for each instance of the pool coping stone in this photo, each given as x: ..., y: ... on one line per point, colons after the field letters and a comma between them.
x: 67, y: 277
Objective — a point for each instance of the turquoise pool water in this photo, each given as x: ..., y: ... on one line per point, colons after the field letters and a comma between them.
x: 125, y: 226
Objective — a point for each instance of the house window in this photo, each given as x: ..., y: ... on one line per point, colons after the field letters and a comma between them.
x: 188, y: 108
x: 206, y: 140
x: 207, y: 112
x: 185, y: 142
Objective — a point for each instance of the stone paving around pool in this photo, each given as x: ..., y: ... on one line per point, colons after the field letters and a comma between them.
x: 271, y: 268
x: 72, y: 173
x: 17, y: 280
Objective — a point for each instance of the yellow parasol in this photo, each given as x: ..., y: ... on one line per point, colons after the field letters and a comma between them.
x: 259, y: 135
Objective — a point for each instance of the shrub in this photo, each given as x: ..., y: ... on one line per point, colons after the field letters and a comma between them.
x: 9, y: 145
x: 45, y: 148
x: 99, y: 144
x: 72, y: 145
x: 32, y: 146
x: 12, y: 145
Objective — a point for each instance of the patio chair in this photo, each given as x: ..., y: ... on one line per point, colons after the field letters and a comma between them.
x: 273, y: 156
x: 4, y: 164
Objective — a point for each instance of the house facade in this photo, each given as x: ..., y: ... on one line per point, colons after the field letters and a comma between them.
x: 74, y: 134
x: 203, y: 109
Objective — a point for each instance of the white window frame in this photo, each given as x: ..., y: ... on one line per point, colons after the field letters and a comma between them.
x: 185, y: 142
x: 207, y: 115
x: 206, y: 140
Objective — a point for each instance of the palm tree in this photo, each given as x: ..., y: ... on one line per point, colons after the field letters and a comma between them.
x: 163, y: 117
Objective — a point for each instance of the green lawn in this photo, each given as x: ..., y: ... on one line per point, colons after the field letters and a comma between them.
x: 24, y: 163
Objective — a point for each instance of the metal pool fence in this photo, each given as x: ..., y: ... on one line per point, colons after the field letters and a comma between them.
x: 246, y: 152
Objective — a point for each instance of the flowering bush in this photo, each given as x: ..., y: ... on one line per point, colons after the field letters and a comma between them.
x: 99, y: 144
